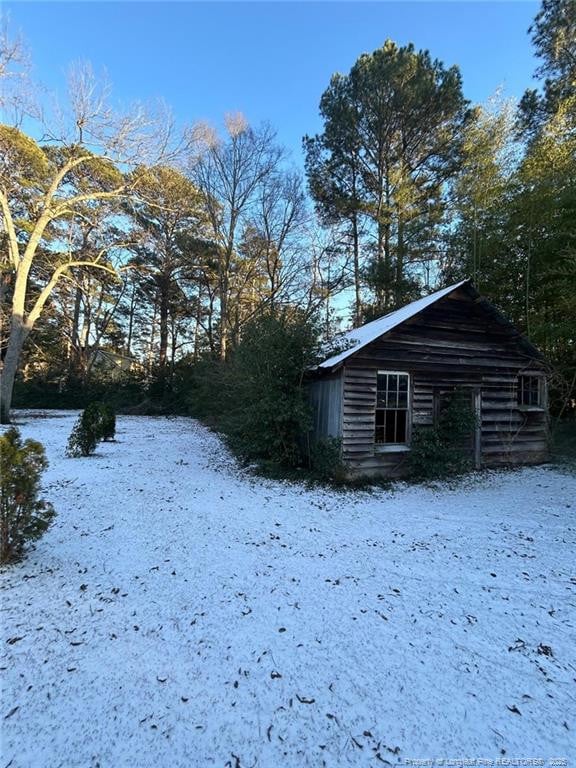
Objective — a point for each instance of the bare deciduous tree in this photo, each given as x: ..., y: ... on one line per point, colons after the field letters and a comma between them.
x: 229, y: 173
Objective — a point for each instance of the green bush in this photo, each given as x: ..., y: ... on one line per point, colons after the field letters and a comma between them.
x: 83, y: 438
x: 564, y: 442
x: 107, y: 422
x: 97, y: 422
x: 23, y: 517
x: 256, y: 398
x: 47, y: 392
x: 92, y: 418
x: 445, y: 449
x: 204, y: 387
x: 427, y: 456
x: 326, y: 460
x: 266, y: 411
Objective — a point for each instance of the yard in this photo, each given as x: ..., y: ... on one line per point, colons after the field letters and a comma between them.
x: 183, y: 613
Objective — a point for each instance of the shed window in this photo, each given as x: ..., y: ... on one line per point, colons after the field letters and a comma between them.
x: 531, y: 391
x: 392, y: 402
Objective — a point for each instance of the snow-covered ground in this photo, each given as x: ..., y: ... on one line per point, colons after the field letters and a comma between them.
x: 181, y: 613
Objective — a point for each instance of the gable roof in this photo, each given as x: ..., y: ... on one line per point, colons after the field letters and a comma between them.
x: 366, y: 334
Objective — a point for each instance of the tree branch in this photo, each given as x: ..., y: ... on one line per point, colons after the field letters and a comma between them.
x: 10, y: 230
x: 36, y: 310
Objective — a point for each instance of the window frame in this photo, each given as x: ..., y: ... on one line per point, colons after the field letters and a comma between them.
x: 395, y: 447
x: 542, y: 392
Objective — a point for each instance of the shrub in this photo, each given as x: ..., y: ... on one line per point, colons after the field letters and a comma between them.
x: 204, y: 388
x: 121, y: 392
x: 82, y: 440
x: 93, y: 424
x: 256, y: 398
x: 441, y: 451
x: 427, y: 454
x: 326, y: 460
x: 266, y: 412
x: 23, y: 517
x: 97, y: 422
x: 107, y: 422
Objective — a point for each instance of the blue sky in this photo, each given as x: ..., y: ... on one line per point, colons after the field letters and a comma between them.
x: 270, y: 60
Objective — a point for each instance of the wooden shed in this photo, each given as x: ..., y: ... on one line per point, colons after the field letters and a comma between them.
x: 395, y: 372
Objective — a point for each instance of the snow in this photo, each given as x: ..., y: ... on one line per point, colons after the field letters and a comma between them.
x: 360, y: 337
x: 183, y: 613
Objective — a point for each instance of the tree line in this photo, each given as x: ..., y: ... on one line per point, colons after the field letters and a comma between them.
x: 133, y: 248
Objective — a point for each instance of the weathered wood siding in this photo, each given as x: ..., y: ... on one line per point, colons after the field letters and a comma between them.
x: 510, y: 435
x: 456, y: 342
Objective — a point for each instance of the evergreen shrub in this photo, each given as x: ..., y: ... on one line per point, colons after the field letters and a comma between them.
x: 97, y: 422
x: 107, y: 422
x: 23, y: 516
x: 257, y: 398
x: 326, y: 460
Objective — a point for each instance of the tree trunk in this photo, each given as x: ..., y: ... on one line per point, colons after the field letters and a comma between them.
x: 173, y: 347
x: 356, y: 250
x: 163, y: 330
x: 387, y: 246
x: 74, y: 365
x: 223, y: 318
x: 18, y: 334
x: 131, y: 321
x: 210, y: 329
x: 84, y: 344
x: 150, y: 361
x: 399, y: 263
